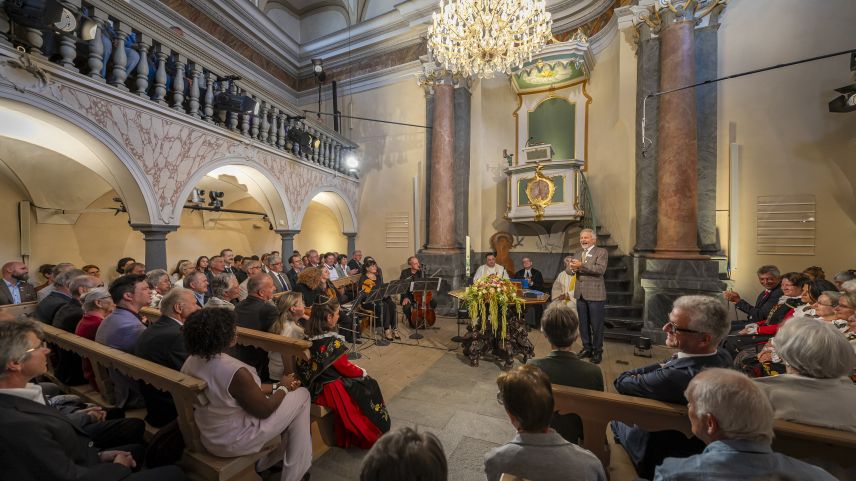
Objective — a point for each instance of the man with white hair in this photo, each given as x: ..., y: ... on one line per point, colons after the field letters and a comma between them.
x: 61, y: 295
x: 224, y: 290
x: 695, y: 327
x: 734, y: 419
x: 590, y: 292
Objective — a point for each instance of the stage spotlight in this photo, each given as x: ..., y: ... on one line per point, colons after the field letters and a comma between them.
x: 42, y: 14
x: 216, y: 199
x: 197, y: 196
x: 351, y: 162
x: 847, y: 101
x: 241, y: 104
x: 318, y: 69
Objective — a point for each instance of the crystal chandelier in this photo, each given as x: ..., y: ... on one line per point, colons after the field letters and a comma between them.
x: 482, y: 37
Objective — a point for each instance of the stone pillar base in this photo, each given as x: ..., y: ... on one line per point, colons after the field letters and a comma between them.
x: 448, y: 264
x: 664, y: 280
x: 679, y: 255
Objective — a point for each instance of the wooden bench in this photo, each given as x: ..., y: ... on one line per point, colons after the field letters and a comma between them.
x: 597, y: 409
x: 14, y: 311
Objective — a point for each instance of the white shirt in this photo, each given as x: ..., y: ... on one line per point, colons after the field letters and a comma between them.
x: 484, y: 271
x: 333, y: 274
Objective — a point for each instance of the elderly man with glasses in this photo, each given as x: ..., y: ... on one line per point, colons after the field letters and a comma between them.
x: 695, y: 328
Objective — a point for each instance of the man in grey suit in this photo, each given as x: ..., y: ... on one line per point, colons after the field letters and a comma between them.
x: 589, y: 264
x: 280, y: 280
x: 15, y: 289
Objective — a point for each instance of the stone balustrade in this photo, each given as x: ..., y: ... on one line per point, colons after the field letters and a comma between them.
x: 133, y: 61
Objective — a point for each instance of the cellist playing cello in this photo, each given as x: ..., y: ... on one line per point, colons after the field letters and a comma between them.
x: 412, y: 273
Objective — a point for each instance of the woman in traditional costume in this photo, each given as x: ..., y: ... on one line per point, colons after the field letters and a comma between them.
x: 337, y: 384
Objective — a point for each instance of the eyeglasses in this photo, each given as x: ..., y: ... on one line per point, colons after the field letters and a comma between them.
x: 499, y: 398
x: 41, y: 345
x: 825, y: 305
x: 673, y: 327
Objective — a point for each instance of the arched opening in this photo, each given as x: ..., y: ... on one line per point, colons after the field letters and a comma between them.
x: 325, y: 221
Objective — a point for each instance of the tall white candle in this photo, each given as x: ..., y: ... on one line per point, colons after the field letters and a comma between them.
x: 467, y: 257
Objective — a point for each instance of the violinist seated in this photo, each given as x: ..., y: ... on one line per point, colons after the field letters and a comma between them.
x: 383, y: 309
x: 408, y: 301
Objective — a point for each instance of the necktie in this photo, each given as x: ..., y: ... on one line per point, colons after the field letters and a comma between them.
x: 284, y: 283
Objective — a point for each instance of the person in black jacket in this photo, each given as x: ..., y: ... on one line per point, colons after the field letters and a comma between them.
x: 40, y: 443
x: 61, y: 295
x: 536, y: 283
x: 770, y: 279
x: 256, y: 312
x: 696, y: 326
x: 69, y: 366
x: 163, y: 343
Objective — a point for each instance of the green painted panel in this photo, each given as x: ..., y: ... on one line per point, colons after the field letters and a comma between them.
x: 558, y: 194
x: 552, y: 122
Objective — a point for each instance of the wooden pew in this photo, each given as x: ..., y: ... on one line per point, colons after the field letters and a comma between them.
x: 17, y: 310
x: 597, y: 409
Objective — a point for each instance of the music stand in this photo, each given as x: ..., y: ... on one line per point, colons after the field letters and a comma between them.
x: 354, y: 354
x: 424, y: 285
x: 376, y: 296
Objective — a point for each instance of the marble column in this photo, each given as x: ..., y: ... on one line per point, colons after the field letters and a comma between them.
x: 287, y: 242
x: 677, y: 149
x: 155, y: 237
x: 352, y: 242
x: 441, y: 227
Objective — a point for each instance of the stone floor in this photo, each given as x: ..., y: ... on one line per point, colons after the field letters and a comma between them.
x: 431, y: 386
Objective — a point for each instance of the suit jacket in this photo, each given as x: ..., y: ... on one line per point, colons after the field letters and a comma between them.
x: 254, y: 313
x: 53, y: 447
x: 763, y: 305
x: 69, y: 365
x: 238, y: 273
x: 161, y: 343
x: 406, y: 274
x: 537, y: 282
x: 47, y: 307
x: 665, y: 383
x: 590, y: 284
x: 353, y: 264
x: 565, y: 368
x: 292, y: 277
x: 28, y: 293
x: 278, y: 284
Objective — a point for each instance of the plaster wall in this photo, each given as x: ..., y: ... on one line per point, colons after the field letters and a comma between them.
x: 788, y: 140
x: 320, y: 230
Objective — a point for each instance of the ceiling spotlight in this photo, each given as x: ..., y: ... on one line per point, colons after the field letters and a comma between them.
x: 318, y: 69
x: 242, y: 104
x: 351, y: 161
x: 197, y: 196
x: 216, y: 199
x: 847, y: 101
x: 42, y: 14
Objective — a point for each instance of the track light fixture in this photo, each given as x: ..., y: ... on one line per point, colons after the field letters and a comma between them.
x: 216, y: 199
x: 846, y: 102
x: 197, y: 196
x: 241, y: 104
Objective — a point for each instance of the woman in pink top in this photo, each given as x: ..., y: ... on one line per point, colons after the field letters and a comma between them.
x: 97, y: 305
x: 242, y: 414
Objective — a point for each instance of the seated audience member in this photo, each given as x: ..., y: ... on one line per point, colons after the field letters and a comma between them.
x: 136, y: 268
x: 405, y: 455
x: 295, y: 268
x: 816, y: 389
x: 814, y: 273
x: 355, y: 265
x: 46, y: 271
x: 330, y: 263
x: 92, y: 270
x: 337, y: 384
x: 224, y: 290
x: 121, y: 329
x: 535, y: 282
x: 792, y: 288
x: 181, y: 270
x: 256, y: 312
x: 342, y: 265
x: 243, y: 414
x: 561, y: 327
x: 15, y: 289
x: 292, y: 316
x: 57, y: 270
x: 123, y: 265
x: 160, y: 284
x: 69, y: 365
x: 824, y: 308
x: 770, y: 279
x: 280, y: 280
x: 162, y: 343
x: 202, y: 264
x: 735, y: 420
x: 253, y: 267
x: 59, y: 296
x: 314, y: 258
x: 839, y: 279
x: 563, y: 287
x: 198, y: 283
x: 216, y: 266
x: 97, y: 304
x: 536, y: 452
x: 810, y: 292
x: 311, y: 285
x: 696, y: 326
x: 41, y: 443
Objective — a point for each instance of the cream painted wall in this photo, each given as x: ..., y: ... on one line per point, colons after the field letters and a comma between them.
x: 789, y: 141
x: 320, y: 230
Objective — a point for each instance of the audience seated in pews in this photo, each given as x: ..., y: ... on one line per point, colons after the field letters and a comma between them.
x: 59, y: 296
x: 57, y: 270
x: 46, y: 271
x: 537, y: 452
x: 224, y: 291
x: 816, y: 389
x: 770, y: 279
x: 253, y: 267
x: 136, y: 268
x: 405, y: 455
x: 696, y: 326
x: 292, y: 317
x: 792, y: 289
x: 256, y: 312
x: 337, y: 384
x: 242, y: 414
x: 198, y: 283
x: 842, y: 277
x: 15, y: 289
x: 97, y: 304
x: 41, y: 443
x: 162, y: 343
x: 160, y: 284
x: 735, y: 420
x: 275, y: 271
x: 561, y: 327
x: 68, y: 367
x: 181, y: 270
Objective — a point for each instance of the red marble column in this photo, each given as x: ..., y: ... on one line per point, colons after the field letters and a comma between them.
x: 677, y: 180
x: 441, y: 228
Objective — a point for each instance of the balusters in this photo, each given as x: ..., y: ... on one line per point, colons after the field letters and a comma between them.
x: 67, y: 41
x: 178, y: 83
x: 159, y: 93
x: 141, y: 73
x: 221, y: 114
x: 208, y: 105
x: 289, y: 145
x: 257, y: 120
x: 233, y: 116
x: 337, y: 162
x: 273, y: 126
x: 120, y: 58
x: 95, y: 60
x: 193, y: 100
x: 280, y: 133
x: 245, y: 120
x: 35, y: 39
x: 325, y: 142
x: 263, y: 133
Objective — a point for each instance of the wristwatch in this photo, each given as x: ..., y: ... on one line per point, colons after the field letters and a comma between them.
x: 279, y: 387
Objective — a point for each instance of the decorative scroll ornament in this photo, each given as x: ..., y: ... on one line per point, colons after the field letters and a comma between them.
x: 540, y: 190
x: 23, y: 74
x: 483, y: 37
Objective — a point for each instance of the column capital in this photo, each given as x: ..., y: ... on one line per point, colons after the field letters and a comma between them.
x: 350, y: 235
x: 154, y: 229
x: 287, y: 232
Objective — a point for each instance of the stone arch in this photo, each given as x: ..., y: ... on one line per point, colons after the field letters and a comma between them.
x: 60, y: 129
x: 261, y: 183
x: 336, y: 201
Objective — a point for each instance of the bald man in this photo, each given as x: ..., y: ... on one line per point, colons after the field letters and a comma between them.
x: 15, y: 289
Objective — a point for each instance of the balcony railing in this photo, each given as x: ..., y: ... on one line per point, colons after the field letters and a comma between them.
x: 134, y: 59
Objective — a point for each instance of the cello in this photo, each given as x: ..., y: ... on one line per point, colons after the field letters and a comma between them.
x: 422, y: 315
